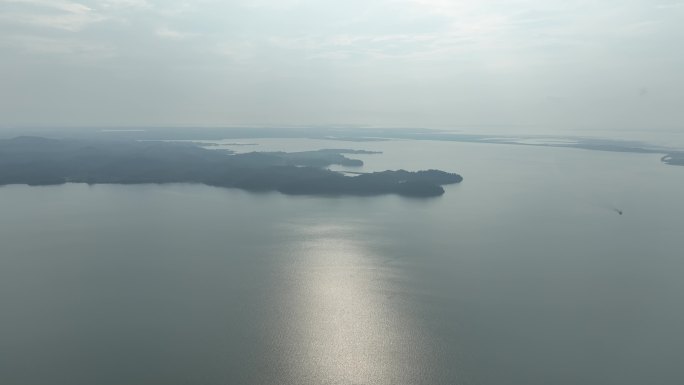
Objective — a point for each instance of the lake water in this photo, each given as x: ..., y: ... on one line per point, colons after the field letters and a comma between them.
x: 522, y: 274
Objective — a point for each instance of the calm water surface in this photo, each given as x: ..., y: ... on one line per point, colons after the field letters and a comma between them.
x: 522, y: 274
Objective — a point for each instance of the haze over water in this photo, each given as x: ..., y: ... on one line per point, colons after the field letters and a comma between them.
x: 522, y: 274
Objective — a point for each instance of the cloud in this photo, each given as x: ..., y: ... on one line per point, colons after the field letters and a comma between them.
x: 672, y: 5
x: 378, y: 56
x: 168, y: 33
x: 57, y: 14
x: 272, y: 4
x: 123, y: 4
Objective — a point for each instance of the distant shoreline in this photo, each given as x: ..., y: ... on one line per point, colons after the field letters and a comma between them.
x: 199, y: 134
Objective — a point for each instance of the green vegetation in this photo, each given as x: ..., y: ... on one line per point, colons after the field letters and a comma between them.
x: 41, y: 161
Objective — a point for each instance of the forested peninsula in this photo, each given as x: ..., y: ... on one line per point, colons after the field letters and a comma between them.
x: 42, y: 161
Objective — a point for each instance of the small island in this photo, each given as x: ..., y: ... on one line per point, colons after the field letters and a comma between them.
x: 674, y: 159
x: 42, y: 161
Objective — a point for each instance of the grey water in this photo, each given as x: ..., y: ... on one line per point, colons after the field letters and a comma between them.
x: 522, y: 274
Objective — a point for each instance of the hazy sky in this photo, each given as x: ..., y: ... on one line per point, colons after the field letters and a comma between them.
x: 428, y: 63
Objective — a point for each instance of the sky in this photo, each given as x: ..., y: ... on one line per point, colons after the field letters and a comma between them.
x: 548, y: 64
